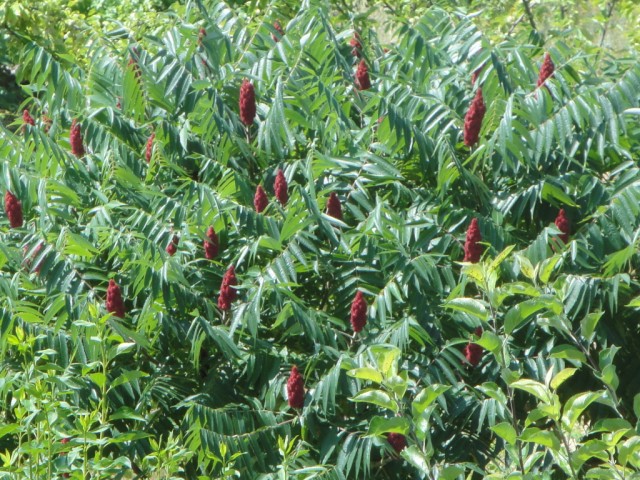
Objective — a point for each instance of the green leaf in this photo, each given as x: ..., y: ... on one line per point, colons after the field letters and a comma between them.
x: 415, y: 457
x: 526, y: 267
x: 568, y: 352
x: 382, y: 425
x: 551, y: 192
x: 636, y: 405
x: 78, y: 245
x: 386, y: 357
x: 545, y: 438
x: 451, y: 472
x: 8, y: 429
x: 366, y: 373
x: 576, y: 405
x: 505, y: 431
x: 610, y: 377
x: 473, y: 307
x: 546, y: 268
x: 127, y: 377
x: 376, y: 397
x: 588, y: 325
x: 426, y: 397
x: 490, y: 341
x: 98, y: 378
x: 534, y: 388
x: 501, y: 257
x: 561, y: 377
x: 521, y: 312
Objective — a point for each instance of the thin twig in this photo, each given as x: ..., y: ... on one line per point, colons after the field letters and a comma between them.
x: 611, y: 7
x: 515, y: 24
x: 527, y: 10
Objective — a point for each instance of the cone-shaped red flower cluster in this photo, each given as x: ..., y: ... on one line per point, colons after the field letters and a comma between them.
x: 473, y: 119
x: 473, y: 351
x: 546, y: 70
x: 472, y: 247
x: 75, y: 138
x: 201, y: 34
x: 211, y: 244
x: 114, y: 301
x: 172, y: 248
x: 260, y: 200
x: 13, y: 208
x: 356, y: 45
x: 280, y: 188
x: 149, y: 150
x: 563, y: 224
x: 227, y: 293
x: 247, y: 102
x: 295, y: 389
x: 334, y: 208
x: 278, y: 28
x: 397, y: 441
x: 362, y: 76
x: 27, y: 118
x: 358, y: 312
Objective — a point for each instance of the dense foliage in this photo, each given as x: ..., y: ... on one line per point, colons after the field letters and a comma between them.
x: 237, y: 250
x: 66, y: 27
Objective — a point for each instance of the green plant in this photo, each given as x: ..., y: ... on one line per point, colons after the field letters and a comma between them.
x: 176, y: 362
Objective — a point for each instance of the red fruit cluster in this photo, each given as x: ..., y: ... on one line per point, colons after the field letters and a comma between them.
x: 358, y: 312
x: 227, y: 293
x: 563, y: 224
x: 27, y: 118
x: 473, y: 351
x: 172, y: 248
x: 473, y: 119
x: 247, y: 102
x: 334, y: 208
x: 546, y: 70
x: 278, y: 28
x: 397, y: 441
x: 472, y: 247
x: 260, y: 200
x: 362, y: 76
x: 211, y: 244
x: 114, y: 302
x: 356, y: 46
x: 75, y: 138
x: 201, y: 34
x: 13, y: 208
x: 295, y: 389
x: 280, y: 188
x: 149, y: 150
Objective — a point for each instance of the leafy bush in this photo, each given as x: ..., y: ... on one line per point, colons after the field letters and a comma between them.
x: 64, y: 27
x: 424, y: 300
